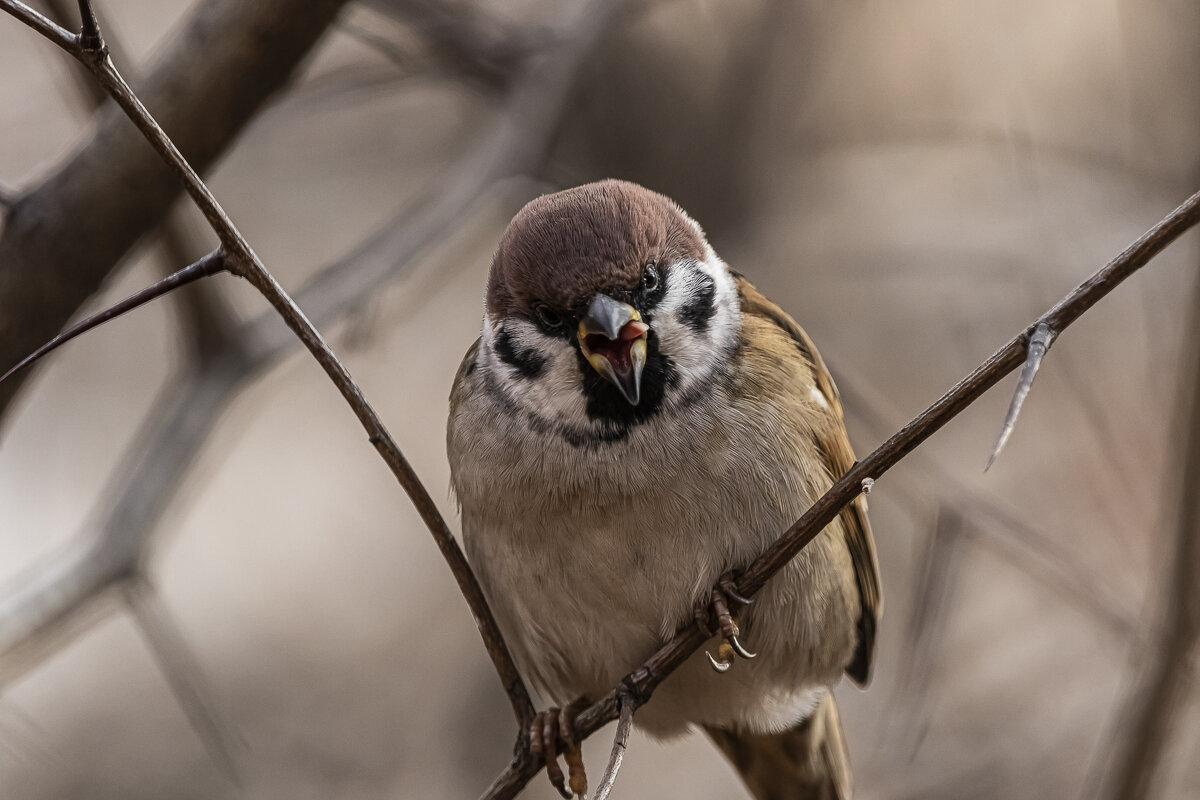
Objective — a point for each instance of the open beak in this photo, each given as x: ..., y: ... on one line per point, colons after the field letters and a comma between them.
x: 612, y: 337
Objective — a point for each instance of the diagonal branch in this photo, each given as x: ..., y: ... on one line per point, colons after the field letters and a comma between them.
x: 31, y: 613
x: 210, y: 264
x: 242, y: 260
x: 64, y: 236
x: 641, y: 683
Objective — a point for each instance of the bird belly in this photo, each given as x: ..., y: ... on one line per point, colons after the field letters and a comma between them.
x: 588, y: 580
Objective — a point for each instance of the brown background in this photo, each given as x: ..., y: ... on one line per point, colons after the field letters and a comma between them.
x: 914, y: 180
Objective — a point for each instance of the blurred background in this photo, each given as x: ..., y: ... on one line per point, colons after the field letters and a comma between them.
x: 914, y: 180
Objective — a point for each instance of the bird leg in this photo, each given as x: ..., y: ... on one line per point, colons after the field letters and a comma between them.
x: 549, y: 729
x: 723, y: 595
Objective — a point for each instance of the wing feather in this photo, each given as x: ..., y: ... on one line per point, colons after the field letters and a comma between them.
x: 835, y: 447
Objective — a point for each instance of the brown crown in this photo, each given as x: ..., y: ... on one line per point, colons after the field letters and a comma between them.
x: 563, y: 248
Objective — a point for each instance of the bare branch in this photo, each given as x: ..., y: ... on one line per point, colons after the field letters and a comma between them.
x: 467, y: 40
x: 1039, y: 343
x: 1039, y: 554
x: 641, y: 683
x: 241, y: 259
x: 207, y: 320
x: 210, y: 264
x: 43, y: 25
x: 183, y: 673
x: 41, y: 601
x: 66, y: 234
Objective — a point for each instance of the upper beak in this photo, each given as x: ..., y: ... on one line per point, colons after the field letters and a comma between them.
x: 612, y: 337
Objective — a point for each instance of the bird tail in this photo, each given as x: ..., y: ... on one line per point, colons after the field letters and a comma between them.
x: 806, y: 762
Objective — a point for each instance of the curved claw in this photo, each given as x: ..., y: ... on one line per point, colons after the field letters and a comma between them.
x: 740, y: 649
x: 734, y: 595
x: 719, y: 666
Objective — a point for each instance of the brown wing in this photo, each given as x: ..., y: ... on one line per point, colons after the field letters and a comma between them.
x: 839, y: 457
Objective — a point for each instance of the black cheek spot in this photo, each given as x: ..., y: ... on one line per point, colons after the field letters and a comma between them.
x: 529, y: 363
x: 700, y: 309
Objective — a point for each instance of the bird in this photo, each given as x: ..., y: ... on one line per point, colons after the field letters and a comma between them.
x: 635, y: 424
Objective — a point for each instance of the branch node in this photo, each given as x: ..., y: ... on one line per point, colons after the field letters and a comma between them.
x: 90, y: 40
x: 1039, y: 342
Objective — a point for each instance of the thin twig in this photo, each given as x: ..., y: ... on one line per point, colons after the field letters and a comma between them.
x: 620, y: 743
x: 642, y: 682
x: 208, y: 265
x: 1039, y: 343
x: 207, y: 319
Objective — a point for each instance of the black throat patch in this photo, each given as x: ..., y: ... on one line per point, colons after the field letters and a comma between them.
x: 605, y: 401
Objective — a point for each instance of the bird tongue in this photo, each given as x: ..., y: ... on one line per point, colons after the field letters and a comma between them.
x: 617, y: 351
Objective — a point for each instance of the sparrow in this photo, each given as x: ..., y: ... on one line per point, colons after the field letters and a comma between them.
x: 635, y: 423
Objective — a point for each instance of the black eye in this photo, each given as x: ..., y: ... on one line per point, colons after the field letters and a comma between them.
x: 547, y: 315
x: 650, y: 277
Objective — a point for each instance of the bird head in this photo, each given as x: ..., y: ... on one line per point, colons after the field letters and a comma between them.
x: 605, y: 305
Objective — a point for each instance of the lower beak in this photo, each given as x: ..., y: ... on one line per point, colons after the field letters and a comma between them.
x: 612, y: 337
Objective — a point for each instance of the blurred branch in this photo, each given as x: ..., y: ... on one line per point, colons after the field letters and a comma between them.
x: 49, y: 596
x: 940, y: 576
x: 1037, y: 553
x: 64, y: 236
x: 1137, y: 743
x: 461, y: 39
x: 641, y: 683
x: 182, y: 672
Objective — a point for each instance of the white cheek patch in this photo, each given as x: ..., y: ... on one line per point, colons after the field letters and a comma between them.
x: 554, y: 392
x: 697, y: 351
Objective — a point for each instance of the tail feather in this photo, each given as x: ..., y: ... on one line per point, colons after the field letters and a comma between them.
x: 806, y: 762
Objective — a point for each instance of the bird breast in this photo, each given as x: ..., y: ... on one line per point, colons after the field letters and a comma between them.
x: 593, y: 556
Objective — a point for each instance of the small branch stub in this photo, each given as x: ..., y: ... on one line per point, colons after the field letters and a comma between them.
x: 1039, y: 343
x: 620, y: 742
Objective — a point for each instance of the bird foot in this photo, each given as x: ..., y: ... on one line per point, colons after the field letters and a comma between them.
x: 548, y: 730
x: 716, y: 607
